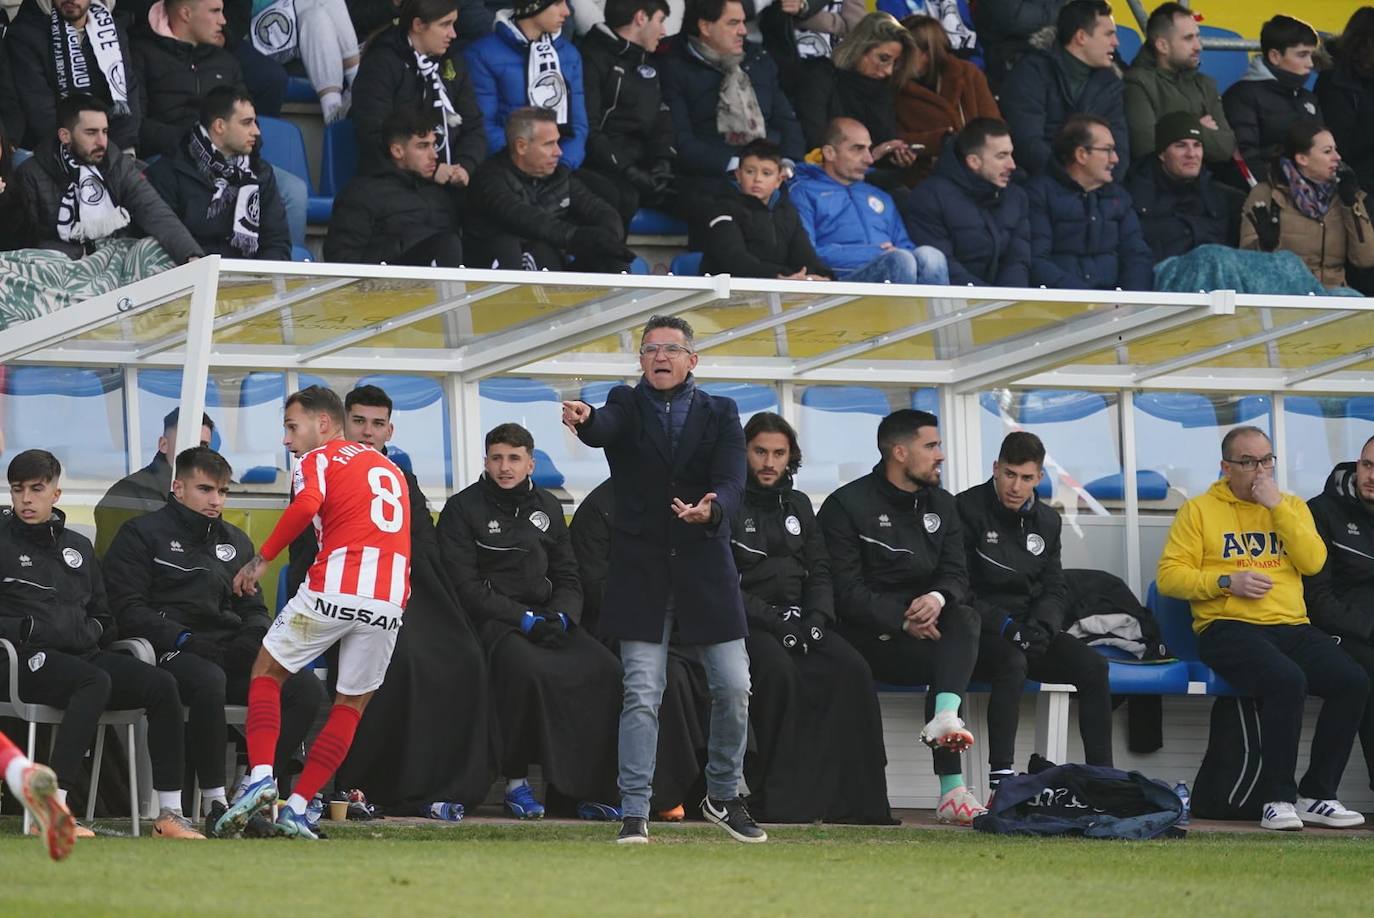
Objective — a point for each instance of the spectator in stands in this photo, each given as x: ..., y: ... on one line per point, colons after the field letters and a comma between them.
x: 53, y: 609
x: 1165, y: 78
x: 1007, y: 27
x: 83, y: 195
x: 1084, y: 233
x: 1238, y: 554
x: 1346, y: 94
x: 1179, y: 204
x: 855, y: 226
x: 399, y: 214
x: 756, y: 232
x: 944, y: 94
x: 816, y: 719
x: 416, y: 65
x: 722, y: 93
x: 588, y: 13
x: 12, y: 123
x: 1012, y: 544
x: 802, y: 37
x: 527, y: 61
x: 1340, y: 597
x: 1312, y: 207
x: 318, y: 33
x: 972, y: 212
x: 532, y: 211
x: 676, y: 448
x: 66, y: 47
x: 179, y: 56
x: 1076, y: 77
x: 870, y: 67
x: 631, y: 134
x: 217, y: 183
x: 15, y: 230
x: 372, y: 17
x: 901, y: 587
x: 1271, y: 96
x: 556, y: 689
x: 169, y: 575
x: 147, y: 489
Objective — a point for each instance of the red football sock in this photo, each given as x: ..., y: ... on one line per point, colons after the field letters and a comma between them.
x: 264, y: 720
x: 328, y: 751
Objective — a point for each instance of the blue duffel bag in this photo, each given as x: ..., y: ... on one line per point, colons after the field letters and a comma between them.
x: 1085, y: 800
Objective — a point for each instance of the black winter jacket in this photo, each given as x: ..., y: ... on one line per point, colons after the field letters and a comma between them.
x: 781, y: 556
x: 1347, y: 104
x: 1261, y: 106
x: 546, y: 209
x: 29, y: 42
x: 12, y: 122
x: 1013, y: 560
x: 629, y: 123
x: 175, y: 76
x: 508, y: 552
x: 1004, y: 30
x: 691, y: 88
x: 590, y: 534
x: 1085, y: 240
x: 1178, y: 216
x: 1340, y: 597
x: 379, y: 216
x: 44, y: 180
x: 1036, y: 103
x: 983, y: 230
x: 873, y: 103
x: 172, y: 571
x: 887, y: 547
x: 748, y: 238
x: 133, y: 495
x: 52, y: 595
x: 188, y: 193
x: 389, y: 79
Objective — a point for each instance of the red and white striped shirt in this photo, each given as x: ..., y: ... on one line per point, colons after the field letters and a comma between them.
x: 359, y: 503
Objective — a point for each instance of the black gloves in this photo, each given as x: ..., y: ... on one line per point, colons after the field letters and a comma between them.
x: 1031, y: 637
x: 203, y: 647
x: 790, y: 632
x: 547, y: 629
x: 662, y: 174
x: 1347, y: 185
x: 1265, y: 218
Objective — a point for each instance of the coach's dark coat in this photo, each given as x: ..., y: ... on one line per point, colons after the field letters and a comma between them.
x: 655, y: 557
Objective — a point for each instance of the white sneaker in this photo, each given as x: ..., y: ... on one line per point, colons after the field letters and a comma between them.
x: 1280, y: 815
x: 959, y: 806
x: 946, y: 731
x: 1330, y: 813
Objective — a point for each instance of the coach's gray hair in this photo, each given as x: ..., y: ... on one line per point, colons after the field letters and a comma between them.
x: 521, y: 122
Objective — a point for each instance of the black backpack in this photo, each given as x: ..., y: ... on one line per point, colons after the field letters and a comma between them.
x: 1228, y: 782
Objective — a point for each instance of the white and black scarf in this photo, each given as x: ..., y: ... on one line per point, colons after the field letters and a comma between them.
x: 544, y: 83
x: 86, y: 212
x: 69, y: 59
x: 811, y: 45
x: 235, y: 183
x: 448, y: 116
x: 274, y: 31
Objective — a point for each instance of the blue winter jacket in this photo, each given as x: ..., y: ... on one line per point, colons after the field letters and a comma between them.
x: 1035, y: 101
x: 498, y: 66
x: 982, y: 229
x: 1085, y: 240
x: 846, y: 223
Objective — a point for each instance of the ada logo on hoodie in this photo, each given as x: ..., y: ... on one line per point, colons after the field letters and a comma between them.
x: 1254, y: 544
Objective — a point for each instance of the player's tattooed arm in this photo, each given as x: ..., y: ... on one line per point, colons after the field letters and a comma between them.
x: 246, y: 580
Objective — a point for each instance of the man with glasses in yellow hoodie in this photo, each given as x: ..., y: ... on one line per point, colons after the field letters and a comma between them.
x: 1238, y: 554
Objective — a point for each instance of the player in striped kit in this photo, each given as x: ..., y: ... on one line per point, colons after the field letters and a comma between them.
x: 354, y: 594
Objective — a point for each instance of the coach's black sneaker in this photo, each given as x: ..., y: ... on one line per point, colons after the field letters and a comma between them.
x: 634, y: 830
x: 733, y: 816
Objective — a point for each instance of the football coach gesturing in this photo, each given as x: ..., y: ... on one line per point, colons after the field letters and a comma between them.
x: 677, y: 469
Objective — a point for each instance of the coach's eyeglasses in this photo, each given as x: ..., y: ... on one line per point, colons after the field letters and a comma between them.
x: 671, y: 351
x: 1248, y: 464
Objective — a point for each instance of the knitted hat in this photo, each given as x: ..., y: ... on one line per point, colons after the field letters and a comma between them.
x: 1174, y: 127
x: 524, y: 9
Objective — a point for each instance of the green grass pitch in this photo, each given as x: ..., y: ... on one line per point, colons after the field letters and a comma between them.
x: 561, y: 869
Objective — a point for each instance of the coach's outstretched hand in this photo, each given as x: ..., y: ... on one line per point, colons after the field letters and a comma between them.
x: 246, y: 580
x: 700, y: 512
x: 575, y: 413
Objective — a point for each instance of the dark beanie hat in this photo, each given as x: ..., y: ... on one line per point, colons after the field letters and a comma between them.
x: 1176, y: 126
x: 524, y: 9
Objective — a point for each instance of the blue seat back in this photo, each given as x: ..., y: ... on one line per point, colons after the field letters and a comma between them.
x: 283, y: 146
x: 1175, y: 619
x: 1226, y: 67
x: 159, y: 391
x: 338, y: 157
x: 1077, y: 430
x: 688, y: 264
x: 750, y: 398
x: 76, y: 414
x: 838, y: 431
x: 1129, y: 43
x: 420, y: 414
x: 560, y: 458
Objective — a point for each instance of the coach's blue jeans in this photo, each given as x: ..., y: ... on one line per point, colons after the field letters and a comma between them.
x: 923, y: 265
x: 646, y: 672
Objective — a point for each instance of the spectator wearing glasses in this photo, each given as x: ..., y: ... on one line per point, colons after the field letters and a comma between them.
x: 1084, y: 233
x: 1238, y: 554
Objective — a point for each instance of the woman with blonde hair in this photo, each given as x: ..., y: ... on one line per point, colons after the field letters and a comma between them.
x: 943, y: 94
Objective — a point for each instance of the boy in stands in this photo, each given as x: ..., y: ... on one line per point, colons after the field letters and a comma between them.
x: 355, y: 593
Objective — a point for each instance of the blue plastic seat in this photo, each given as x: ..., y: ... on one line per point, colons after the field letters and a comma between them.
x: 640, y: 267
x: 1129, y: 43
x: 1226, y: 67
x: 284, y: 146
x: 159, y: 391
x: 420, y: 414
x: 560, y: 458
x: 76, y: 414
x: 301, y: 253
x: 1077, y: 429
x: 927, y: 399
x: 1149, y: 485
x: 650, y: 222
x: 688, y: 264
x: 300, y: 90
x: 838, y: 430
x: 338, y: 157
x: 595, y: 393
x: 1175, y: 619
x: 750, y: 398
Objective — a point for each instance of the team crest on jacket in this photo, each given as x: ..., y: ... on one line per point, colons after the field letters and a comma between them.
x: 931, y: 521
x: 36, y: 661
x: 226, y: 552
x: 540, y: 520
x: 1035, y: 544
x: 792, y: 524
x: 647, y: 72
x: 72, y: 557
x: 876, y: 204
x: 749, y: 525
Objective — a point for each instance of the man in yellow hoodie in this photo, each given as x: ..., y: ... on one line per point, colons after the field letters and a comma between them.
x: 1238, y: 554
